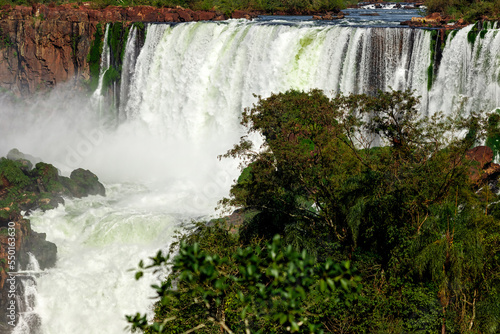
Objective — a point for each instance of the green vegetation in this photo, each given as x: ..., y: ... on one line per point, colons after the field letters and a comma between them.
x: 5, y: 41
x: 23, y: 188
x: 225, y: 6
x: 94, y: 57
x: 430, y: 69
x: 264, y: 288
x: 75, y: 39
x: 470, y: 11
x: 423, y: 237
x: 472, y: 34
x: 117, y: 40
x: 493, y: 140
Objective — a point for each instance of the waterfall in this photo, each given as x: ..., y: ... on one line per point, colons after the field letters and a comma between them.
x: 182, y: 94
x: 29, y: 320
x: 193, y: 79
x: 469, y: 74
x: 128, y: 67
x: 194, y: 74
x: 98, y: 96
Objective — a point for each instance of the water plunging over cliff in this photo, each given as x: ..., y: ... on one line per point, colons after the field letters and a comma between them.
x: 182, y: 95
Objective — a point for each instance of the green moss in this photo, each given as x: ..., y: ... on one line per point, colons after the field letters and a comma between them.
x: 74, y: 44
x: 483, y: 33
x: 110, y: 76
x: 472, y: 35
x: 94, y: 58
x: 117, y: 41
x: 430, y: 76
x: 139, y: 25
x: 430, y: 69
x: 12, y: 171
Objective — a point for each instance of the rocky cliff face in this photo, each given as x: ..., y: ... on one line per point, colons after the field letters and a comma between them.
x: 41, y: 46
x: 22, y: 189
x: 38, y: 49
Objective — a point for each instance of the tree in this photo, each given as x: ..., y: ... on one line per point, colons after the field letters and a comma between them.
x: 356, y: 177
x: 367, y: 176
x: 270, y: 289
x: 319, y: 165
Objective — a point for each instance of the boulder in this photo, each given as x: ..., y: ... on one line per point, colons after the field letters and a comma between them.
x: 87, y: 182
x: 481, y: 154
x: 241, y: 14
x: 26, y: 160
x: 44, y: 251
x: 483, y: 170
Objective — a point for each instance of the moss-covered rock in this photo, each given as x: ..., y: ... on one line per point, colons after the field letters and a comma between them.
x: 87, y: 182
x: 23, y: 188
x: 26, y: 189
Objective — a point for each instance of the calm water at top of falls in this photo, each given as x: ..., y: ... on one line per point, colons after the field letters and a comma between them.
x: 388, y: 16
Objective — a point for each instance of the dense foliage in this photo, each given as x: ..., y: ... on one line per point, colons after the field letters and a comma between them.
x: 358, y: 178
x: 263, y: 288
x: 469, y: 10
x: 225, y: 6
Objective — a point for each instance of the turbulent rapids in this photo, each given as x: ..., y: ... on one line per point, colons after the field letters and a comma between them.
x: 181, y: 97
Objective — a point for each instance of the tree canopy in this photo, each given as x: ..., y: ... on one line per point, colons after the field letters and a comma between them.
x: 358, y: 178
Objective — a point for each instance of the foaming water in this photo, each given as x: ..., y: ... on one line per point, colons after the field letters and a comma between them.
x: 154, y: 187
x: 99, y: 239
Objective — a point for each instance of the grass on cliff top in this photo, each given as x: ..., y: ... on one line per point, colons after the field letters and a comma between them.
x: 226, y: 6
x: 470, y: 11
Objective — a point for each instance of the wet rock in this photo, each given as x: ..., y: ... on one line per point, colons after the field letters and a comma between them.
x: 47, y: 179
x: 47, y: 45
x: 44, y: 251
x: 19, y: 239
x: 243, y: 14
x: 87, y: 183
x: 329, y: 16
x: 22, y: 189
x: 26, y: 160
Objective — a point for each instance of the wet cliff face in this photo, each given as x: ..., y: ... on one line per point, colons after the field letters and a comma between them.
x: 39, y: 48
x: 42, y: 46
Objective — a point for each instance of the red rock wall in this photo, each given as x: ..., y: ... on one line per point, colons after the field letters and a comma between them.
x: 42, y: 46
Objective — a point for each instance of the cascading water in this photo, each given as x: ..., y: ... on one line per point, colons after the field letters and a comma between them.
x: 29, y: 320
x: 469, y: 73
x: 203, y: 69
x: 129, y: 59
x: 105, y: 63
x: 182, y: 96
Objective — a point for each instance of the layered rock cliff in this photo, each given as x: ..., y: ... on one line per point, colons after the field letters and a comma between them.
x: 41, y: 46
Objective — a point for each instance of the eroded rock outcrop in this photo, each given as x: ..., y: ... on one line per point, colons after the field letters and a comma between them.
x: 484, y: 170
x: 24, y: 188
x: 41, y: 46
